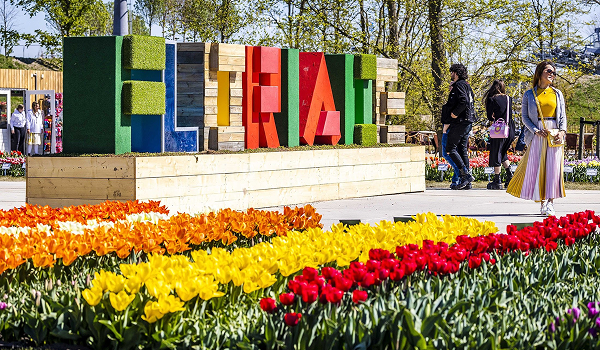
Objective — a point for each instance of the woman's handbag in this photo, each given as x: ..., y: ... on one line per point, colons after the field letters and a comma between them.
x: 553, y: 140
x: 500, y: 129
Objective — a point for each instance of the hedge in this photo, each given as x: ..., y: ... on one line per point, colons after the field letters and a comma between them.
x: 143, y: 97
x: 144, y: 52
x: 365, y: 67
x: 365, y: 134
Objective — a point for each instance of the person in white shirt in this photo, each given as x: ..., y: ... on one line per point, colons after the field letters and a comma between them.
x: 18, y: 128
x: 35, y: 128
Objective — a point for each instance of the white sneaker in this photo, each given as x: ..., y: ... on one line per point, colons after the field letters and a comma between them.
x: 543, y: 210
x: 550, y: 209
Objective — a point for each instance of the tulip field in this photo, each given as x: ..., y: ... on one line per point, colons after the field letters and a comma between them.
x: 134, y: 276
x: 478, y: 161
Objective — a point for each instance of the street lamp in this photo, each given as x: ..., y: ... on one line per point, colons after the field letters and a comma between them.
x: 120, y: 22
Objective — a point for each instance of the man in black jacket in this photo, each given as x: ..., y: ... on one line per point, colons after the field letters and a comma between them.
x: 461, y: 108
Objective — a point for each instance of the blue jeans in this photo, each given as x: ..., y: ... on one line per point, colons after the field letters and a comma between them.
x: 448, y: 159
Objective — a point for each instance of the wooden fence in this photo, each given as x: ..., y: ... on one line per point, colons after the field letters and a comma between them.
x: 25, y: 79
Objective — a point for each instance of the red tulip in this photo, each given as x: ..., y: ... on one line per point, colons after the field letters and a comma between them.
x: 373, y: 265
x: 384, y: 274
x: 310, y: 273
x: 368, y: 280
x: 329, y: 272
x: 342, y: 283
x: 296, y: 286
x: 358, y: 274
x: 389, y: 264
x: 569, y: 241
x: 334, y: 295
x: 310, y: 293
x: 409, y: 267
x: 357, y: 265
x: 287, y: 298
x: 550, y: 246
x: 397, y: 274
x: 379, y: 254
x: 319, y: 281
x: 268, y: 305
x: 359, y: 296
x: 292, y: 318
x: 474, y: 262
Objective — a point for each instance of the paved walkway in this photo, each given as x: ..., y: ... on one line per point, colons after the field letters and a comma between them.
x: 496, y: 206
x: 482, y: 204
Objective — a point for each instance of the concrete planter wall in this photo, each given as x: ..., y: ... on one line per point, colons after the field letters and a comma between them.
x: 194, y: 183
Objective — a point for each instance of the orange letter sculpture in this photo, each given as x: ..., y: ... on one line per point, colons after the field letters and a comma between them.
x: 262, y: 95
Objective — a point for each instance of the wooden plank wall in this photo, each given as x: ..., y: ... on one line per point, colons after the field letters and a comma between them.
x: 225, y: 58
x: 22, y: 79
x: 65, y: 181
x: 197, y: 183
x: 191, y: 66
x: 241, y: 181
x: 387, y: 71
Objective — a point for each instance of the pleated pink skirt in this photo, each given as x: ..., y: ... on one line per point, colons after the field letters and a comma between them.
x: 539, y: 175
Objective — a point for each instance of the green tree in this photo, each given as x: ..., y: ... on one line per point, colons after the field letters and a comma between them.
x: 149, y: 10
x: 67, y: 17
x: 9, y: 35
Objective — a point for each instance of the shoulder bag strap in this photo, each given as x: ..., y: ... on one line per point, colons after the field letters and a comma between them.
x: 539, y: 108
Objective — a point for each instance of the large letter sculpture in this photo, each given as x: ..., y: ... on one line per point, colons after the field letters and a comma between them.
x: 319, y: 120
x: 262, y: 95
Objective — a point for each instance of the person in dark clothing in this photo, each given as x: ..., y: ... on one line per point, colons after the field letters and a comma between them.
x: 446, y: 121
x: 499, y: 106
x: 461, y: 107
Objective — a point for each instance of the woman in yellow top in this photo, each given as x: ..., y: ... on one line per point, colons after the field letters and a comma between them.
x: 539, y: 176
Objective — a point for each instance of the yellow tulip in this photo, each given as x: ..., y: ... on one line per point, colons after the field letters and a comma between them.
x: 187, y: 290
x: 157, y: 288
x: 115, y: 283
x: 120, y: 301
x: 208, y: 288
x: 152, y: 312
x: 93, y: 296
x: 223, y: 275
x: 144, y: 271
x: 128, y: 270
x: 133, y: 285
x: 266, y: 280
x: 100, y: 279
x: 170, y: 303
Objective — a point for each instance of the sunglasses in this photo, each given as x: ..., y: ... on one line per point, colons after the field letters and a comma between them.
x: 550, y: 71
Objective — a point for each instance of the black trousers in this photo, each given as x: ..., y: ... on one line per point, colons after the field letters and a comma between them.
x: 458, y: 144
x: 18, y: 140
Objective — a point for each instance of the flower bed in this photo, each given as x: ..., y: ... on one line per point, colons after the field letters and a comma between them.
x: 41, y: 234
x: 580, y: 170
x: 437, y: 282
x: 16, y: 161
x: 480, y: 160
